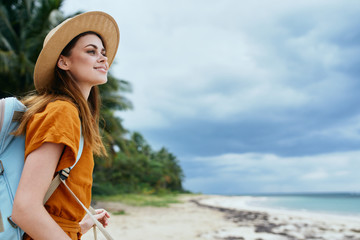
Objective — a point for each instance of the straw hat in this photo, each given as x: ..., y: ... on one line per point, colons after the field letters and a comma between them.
x: 56, y: 40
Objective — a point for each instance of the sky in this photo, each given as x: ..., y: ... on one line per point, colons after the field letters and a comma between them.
x: 251, y: 96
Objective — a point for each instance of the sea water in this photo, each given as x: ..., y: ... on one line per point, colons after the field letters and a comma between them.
x: 334, y: 203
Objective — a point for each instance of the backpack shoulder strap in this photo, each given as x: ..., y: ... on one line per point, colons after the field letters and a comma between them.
x: 91, y: 213
x: 81, y: 147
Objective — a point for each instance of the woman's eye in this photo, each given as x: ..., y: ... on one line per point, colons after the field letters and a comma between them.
x: 91, y: 51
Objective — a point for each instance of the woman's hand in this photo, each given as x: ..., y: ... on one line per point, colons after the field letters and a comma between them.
x: 101, y: 215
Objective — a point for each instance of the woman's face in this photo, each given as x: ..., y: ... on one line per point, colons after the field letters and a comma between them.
x: 87, y: 62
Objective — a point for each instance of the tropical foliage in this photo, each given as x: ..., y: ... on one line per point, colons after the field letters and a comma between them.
x: 139, y: 170
x: 24, y: 25
x: 132, y: 165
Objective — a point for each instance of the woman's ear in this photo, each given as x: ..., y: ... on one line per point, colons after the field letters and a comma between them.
x: 63, y: 63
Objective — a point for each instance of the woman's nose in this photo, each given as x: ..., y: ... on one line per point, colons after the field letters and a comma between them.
x: 102, y: 58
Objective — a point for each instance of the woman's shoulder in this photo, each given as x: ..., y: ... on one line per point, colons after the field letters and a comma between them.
x: 59, y: 122
x: 62, y: 106
x: 58, y: 111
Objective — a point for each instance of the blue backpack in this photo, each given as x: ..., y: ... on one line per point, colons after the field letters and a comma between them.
x: 12, y: 152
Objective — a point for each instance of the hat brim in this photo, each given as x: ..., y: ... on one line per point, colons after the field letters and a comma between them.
x: 98, y: 22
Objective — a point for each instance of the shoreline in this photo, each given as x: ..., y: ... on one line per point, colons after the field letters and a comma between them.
x: 245, y: 203
x: 224, y: 217
x: 284, y: 224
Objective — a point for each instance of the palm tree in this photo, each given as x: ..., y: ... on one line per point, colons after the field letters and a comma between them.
x: 23, y: 26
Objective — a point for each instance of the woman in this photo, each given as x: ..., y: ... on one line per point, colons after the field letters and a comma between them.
x: 75, y: 59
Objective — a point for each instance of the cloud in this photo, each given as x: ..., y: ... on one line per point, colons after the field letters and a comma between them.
x: 254, y: 173
x: 272, y: 85
x: 226, y: 71
x: 231, y: 60
x: 316, y: 175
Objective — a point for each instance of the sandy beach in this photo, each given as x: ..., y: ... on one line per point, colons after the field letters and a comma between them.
x: 217, y: 217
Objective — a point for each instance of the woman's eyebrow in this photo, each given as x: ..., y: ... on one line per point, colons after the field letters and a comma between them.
x: 94, y: 46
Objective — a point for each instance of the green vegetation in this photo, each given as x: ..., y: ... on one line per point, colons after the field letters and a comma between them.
x: 155, y: 200
x: 120, y: 212
x: 139, y: 169
x: 132, y: 166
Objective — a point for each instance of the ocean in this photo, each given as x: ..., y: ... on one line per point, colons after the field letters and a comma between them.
x: 333, y: 203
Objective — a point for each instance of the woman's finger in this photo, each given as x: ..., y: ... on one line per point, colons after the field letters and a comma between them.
x: 100, y: 216
x: 98, y: 211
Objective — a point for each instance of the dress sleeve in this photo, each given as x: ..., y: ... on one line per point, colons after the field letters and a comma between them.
x: 58, y: 123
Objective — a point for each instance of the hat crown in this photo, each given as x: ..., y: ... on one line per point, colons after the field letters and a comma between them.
x: 53, y: 31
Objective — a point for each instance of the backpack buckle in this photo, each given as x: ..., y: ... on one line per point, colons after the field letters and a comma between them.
x: 64, y: 174
x: 12, y: 222
x: 1, y: 168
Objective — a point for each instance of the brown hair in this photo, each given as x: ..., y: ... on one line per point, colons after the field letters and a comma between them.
x: 65, y: 88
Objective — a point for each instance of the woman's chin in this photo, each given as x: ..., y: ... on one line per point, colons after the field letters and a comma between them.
x: 101, y: 82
